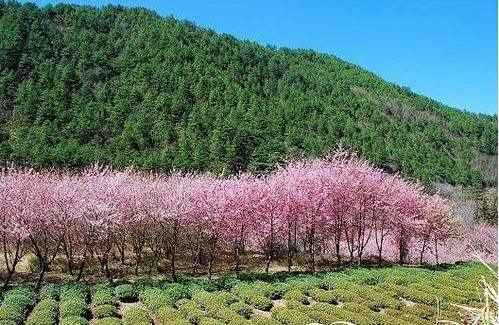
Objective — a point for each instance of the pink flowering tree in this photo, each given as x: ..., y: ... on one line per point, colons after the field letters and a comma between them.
x: 43, y: 225
x: 15, y: 187
x: 266, y: 223
x: 334, y: 205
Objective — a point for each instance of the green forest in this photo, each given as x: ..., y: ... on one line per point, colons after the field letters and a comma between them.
x: 127, y: 87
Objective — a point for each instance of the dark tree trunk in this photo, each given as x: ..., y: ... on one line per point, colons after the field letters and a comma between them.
x: 6, y: 282
x: 290, y: 248
x: 436, y: 251
x: 210, y: 266
x: 402, y: 246
x: 267, y: 264
x: 173, y: 268
x: 40, y: 278
x: 421, y: 255
x: 237, y: 258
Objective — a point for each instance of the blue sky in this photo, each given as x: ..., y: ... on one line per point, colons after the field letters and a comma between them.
x: 444, y: 49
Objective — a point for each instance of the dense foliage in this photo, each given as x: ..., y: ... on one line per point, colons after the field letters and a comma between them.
x: 340, y: 210
x: 128, y: 87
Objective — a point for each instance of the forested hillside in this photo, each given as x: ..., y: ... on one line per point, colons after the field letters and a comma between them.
x: 129, y: 87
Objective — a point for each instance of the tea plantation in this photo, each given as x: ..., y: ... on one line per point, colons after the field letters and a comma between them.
x: 390, y: 295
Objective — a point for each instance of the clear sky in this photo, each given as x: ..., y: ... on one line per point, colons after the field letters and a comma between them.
x: 444, y: 49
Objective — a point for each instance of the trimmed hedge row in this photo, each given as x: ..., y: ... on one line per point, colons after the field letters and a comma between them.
x: 136, y: 316
x: 253, y: 295
x: 126, y: 293
x: 104, y: 305
x: 16, y: 304
x: 170, y: 316
x: 191, y: 310
x: 44, y: 313
x: 73, y: 304
x: 216, y: 305
x: 50, y: 291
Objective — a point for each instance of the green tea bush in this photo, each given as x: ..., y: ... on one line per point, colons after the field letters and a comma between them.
x: 73, y: 301
x: 125, y: 293
x: 209, y: 321
x: 421, y: 311
x: 136, y: 316
x: 101, y: 287
x: 103, y: 298
x: 242, y: 309
x: 169, y: 316
x: 191, y: 310
x: 407, y: 318
x: 142, y: 284
x: 324, y: 317
x: 155, y: 298
x: 253, y: 295
x: 417, y: 295
x: 102, y: 294
x: 73, y: 307
x: 73, y: 290
x: 104, y: 311
x: 44, y: 313
x: 16, y: 303
x: 278, y: 290
x: 291, y: 316
x: 107, y: 321
x: 264, y: 320
x: 262, y: 288
x: 215, y: 304
x: 296, y: 295
x: 327, y: 313
x: 49, y: 291
x: 344, y: 295
x: 200, y: 284
x: 177, y: 292
x: 377, y: 301
x: 73, y: 320
x: 360, y: 309
x: 383, y: 318
x: 259, y: 302
x: 321, y: 295
x: 303, y: 284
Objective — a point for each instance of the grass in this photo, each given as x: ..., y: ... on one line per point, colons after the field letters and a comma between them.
x: 390, y: 295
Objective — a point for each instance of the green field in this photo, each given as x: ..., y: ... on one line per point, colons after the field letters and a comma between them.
x: 390, y: 295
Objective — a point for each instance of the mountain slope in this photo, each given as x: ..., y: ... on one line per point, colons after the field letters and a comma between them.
x: 128, y: 87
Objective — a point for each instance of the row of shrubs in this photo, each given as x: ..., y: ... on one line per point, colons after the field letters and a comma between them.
x: 45, y: 313
x: 364, y: 293
x: 104, y: 305
x: 73, y: 309
x: 16, y: 304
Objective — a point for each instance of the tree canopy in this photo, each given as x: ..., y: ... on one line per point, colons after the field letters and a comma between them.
x: 128, y: 87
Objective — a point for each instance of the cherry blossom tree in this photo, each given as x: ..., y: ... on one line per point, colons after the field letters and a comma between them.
x: 15, y: 188
x: 326, y: 206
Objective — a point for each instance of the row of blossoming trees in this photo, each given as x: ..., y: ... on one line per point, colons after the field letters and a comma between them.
x: 340, y: 207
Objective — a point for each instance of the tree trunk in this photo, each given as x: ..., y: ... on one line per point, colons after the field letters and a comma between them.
x: 338, y: 256
x: 267, y: 264
x: 402, y: 246
x: 172, y: 266
x: 290, y: 249
x: 311, y: 248
x: 237, y: 257
x: 82, y: 263
x: 40, y: 278
x: 210, y: 266
x: 108, y: 271
x: 10, y: 273
x: 436, y: 251
x: 422, y: 252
